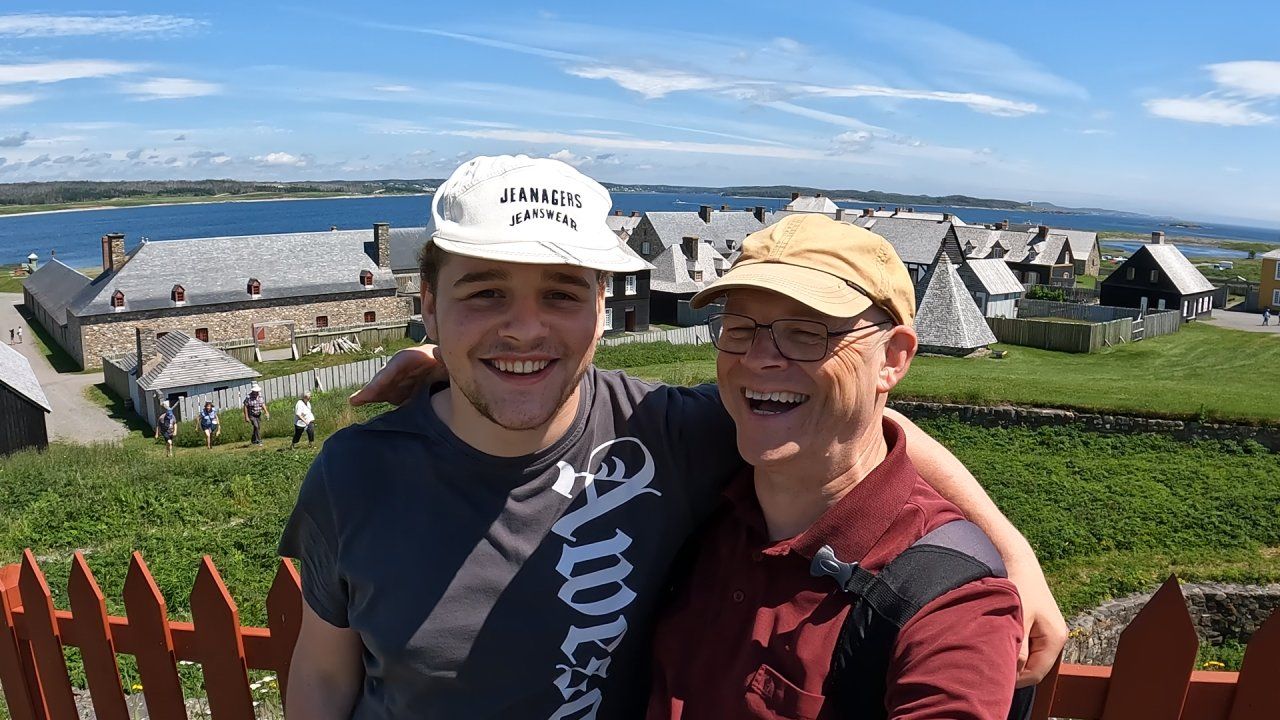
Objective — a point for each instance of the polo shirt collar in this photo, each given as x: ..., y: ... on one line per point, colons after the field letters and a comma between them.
x: 854, y: 524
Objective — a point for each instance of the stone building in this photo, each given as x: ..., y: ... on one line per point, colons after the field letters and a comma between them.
x: 219, y: 289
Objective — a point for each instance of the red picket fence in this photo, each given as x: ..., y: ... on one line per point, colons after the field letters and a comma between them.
x: 1153, y: 677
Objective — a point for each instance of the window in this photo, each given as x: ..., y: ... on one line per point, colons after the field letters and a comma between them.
x: 322, y: 321
x: 117, y: 299
x: 161, y: 334
x: 254, y: 287
x: 981, y: 298
x: 202, y: 334
x: 1275, y: 297
x: 608, y: 286
x: 1155, y: 276
x: 631, y: 285
x: 1278, y: 270
x: 178, y: 294
x: 366, y: 278
x: 608, y: 318
x: 1128, y: 274
x: 370, y: 316
x: 697, y: 276
x: 645, y: 250
x: 1160, y: 304
x: 1033, y: 277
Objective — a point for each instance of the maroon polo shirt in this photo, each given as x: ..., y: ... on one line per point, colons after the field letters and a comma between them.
x: 750, y: 632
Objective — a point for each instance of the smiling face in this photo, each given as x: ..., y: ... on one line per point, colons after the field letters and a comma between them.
x: 810, y: 414
x: 516, y: 339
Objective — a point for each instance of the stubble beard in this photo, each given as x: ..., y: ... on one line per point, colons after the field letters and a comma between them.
x: 472, y: 393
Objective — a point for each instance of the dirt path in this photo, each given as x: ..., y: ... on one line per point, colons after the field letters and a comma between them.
x: 74, y: 418
x: 1249, y: 322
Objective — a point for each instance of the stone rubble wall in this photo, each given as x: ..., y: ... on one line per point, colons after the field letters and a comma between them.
x: 1219, y: 611
x: 1006, y: 415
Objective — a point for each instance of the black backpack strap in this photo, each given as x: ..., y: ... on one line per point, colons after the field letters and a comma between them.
x: 945, y: 559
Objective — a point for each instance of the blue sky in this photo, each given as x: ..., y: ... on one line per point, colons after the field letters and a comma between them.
x: 1086, y: 103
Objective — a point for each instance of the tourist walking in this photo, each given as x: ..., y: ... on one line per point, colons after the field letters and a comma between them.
x: 208, y: 421
x: 10, y: 336
x: 303, y: 421
x: 254, y: 408
x: 19, y: 334
x: 167, y: 425
x: 1266, y: 316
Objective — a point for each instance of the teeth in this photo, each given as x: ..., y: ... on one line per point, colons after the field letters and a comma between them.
x: 777, y: 396
x: 520, y: 367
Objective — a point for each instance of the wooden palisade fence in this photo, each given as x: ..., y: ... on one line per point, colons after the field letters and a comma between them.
x: 1152, y: 678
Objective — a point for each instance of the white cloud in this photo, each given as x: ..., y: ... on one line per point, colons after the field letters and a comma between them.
x: 974, y: 101
x: 168, y: 88
x: 14, y: 100
x: 477, y: 40
x: 17, y: 140
x: 1251, y: 78
x: 282, y: 159
x: 557, y: 138
x: 60, y: 70
x: 652, y: 84
x: 43, y: 25
x: 1097, y: 131
x: 1209, y: 110
x: 393, y: 88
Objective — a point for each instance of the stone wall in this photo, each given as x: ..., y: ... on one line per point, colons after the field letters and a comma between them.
x: 1003, y: 416
x: 1220, y: 612
x: 115, y: 334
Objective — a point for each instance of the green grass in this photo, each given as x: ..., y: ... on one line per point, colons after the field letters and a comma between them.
x: 59, y: 359
x: 1201, y: 371
x: 278, y: 368
x: 1086, y: 281
x: 9, y: 283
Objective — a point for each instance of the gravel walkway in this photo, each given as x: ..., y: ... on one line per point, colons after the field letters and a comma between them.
x: 74, y: 418
x: 1249, y: 322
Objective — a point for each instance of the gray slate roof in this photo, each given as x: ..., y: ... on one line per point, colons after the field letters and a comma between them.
x: 946, y: 315
x: 811, y: 204
x: 735, y: 225
x: 182, y: 361
x: 994, y: 275
x: 1178, y: 269
x: 917, y: 241
x: 671, y: 270
x: 405, y: 245
x: 217, y: 270
x: 16, y: 372
x: 54, y: 285
x: 1082, y: 242
x: 622, y: 225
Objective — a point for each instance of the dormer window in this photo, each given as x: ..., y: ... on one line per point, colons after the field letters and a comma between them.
x: 178, y: 294
x: 366, y: 278
x: 254, y: 288
x: 697, y: 276
x: 117, y: 300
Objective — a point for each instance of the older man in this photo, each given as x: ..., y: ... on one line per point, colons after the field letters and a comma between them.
x: 816, y: 330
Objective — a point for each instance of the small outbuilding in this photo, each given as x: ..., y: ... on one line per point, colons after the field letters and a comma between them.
x: 174, y: 366
x: 948, y: 321
x: 994, y: 287
x: 23, y: 405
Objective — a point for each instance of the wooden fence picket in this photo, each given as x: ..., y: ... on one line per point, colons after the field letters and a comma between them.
x: 284, y: 618
x: 46, y: 641
x: 157, y: 663
x: 1045, y: 692
x: 220, y: 646
x: 97, y: 648
x: 1154, y: 660
x: 1258, y: 688
x: 21, y: 687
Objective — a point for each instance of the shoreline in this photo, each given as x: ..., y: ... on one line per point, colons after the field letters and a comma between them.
x: 203, y: 202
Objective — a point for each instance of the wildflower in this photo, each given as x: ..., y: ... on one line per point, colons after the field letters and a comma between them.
x: 136, y: 687
x: 1212, y: 665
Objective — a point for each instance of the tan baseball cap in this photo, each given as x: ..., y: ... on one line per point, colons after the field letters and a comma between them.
x: 834, y: 267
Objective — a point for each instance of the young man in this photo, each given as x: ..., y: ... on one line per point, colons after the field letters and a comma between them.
x: 497, y: 547
x: 303, y: 421
x: 816, y: 330
x: 255, y: 406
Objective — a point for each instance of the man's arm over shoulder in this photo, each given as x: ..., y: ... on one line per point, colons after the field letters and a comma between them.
x: 958, y: 657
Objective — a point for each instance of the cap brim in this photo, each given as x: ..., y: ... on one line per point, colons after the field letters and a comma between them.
x: 614, y: 259
x: 823, y: 292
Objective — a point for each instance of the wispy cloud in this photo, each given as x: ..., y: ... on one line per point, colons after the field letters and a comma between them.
x: 118, y: 25
x: 652, y: 84
x: 1209, y: 110
x: 1251, y: 78
x: 62, y: 70
x: 974, y: 101
x: 283, y: 159
x: 478, y: 40
x: 169, y: 88
x: 393, y: 88
x: 8, y: 100
x: 541, y: 137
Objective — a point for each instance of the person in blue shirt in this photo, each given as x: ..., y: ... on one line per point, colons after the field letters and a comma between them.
x: 207, y: 419
x: 167, y: 425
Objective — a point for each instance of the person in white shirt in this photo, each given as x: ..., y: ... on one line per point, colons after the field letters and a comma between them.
x: 303, y: 421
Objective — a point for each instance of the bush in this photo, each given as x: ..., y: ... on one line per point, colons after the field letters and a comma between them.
x: 1044, y: 292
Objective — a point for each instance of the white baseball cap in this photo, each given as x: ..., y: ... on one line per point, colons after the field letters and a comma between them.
x: 528, y: 210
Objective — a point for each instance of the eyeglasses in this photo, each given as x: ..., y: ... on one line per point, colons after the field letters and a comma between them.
x: 796, y: 340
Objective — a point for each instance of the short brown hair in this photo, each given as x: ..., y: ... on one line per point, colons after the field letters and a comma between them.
x: 431, y: 258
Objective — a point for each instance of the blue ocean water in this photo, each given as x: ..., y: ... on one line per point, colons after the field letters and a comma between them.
x: 1191, y: 251
x: 75, y: 235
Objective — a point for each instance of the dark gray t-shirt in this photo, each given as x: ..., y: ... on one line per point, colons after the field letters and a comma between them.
x: 509, y: 587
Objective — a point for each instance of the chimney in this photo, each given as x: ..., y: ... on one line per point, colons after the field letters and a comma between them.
x: 144, y: 343
x: 947, y: 217
x: 112, y: 252
x: 380, y: 247
x: 868, y: 212
x: 704, y: 212
x: 1002, y: 225
x: 840, y: 214
x: 635, y: 213
x: 1157, y: 237
x: 795, y: 196
x: 617, y: 213
x: 759, y: 211
x: 724, y: 208
x: 1042, y: 232
x: 817, y: 194
x: 911, y: 210
x: 689, y: 246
